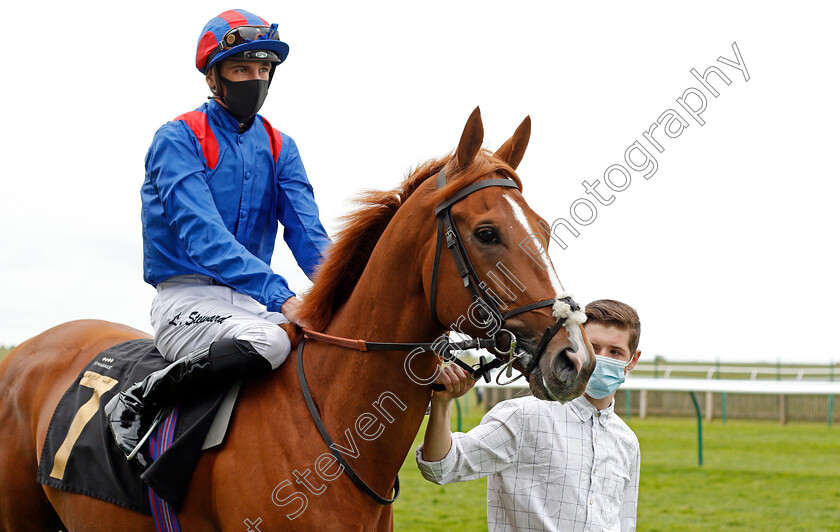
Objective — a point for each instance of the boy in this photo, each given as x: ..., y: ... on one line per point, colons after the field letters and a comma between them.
x: 551, y: 466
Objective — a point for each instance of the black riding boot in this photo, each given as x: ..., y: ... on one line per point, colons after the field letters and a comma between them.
x: 131, y: 412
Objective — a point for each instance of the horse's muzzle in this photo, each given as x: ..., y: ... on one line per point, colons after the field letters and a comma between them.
x: 563, y: 371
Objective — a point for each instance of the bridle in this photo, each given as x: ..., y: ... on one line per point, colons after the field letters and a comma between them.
x: 487, y: 306
x: 443, y: 346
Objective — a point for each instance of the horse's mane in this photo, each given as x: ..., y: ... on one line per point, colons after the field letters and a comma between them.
x: 360, y: 231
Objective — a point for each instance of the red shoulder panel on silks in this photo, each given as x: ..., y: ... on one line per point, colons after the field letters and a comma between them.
x: 276, y: 139
x: 200, y: 126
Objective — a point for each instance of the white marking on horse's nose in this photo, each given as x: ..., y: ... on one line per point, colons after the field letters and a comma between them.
x: 520, y: 217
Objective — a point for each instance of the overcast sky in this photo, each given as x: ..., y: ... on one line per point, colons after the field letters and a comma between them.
x: 728, y: 250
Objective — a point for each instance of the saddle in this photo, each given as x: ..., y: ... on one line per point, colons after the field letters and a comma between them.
x: 79, y: 452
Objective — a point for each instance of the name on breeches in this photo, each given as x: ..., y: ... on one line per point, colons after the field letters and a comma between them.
x: 195, y: 318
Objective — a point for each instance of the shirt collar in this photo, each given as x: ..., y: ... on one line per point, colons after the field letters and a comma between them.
x: 221, y: 117
x: 585, y: 410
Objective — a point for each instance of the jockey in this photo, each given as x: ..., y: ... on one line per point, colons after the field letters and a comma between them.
x: 218, y: 180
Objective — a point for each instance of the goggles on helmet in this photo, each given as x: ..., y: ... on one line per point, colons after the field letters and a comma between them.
x: 245, y: 34
x: 249, y: 42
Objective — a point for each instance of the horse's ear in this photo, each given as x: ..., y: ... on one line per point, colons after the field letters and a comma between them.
x: 471, y: 140
x: 512, y: 151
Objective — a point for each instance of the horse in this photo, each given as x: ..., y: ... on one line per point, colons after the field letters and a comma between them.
x: 274, y: 471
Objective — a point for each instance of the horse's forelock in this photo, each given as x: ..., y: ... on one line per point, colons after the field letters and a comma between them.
x: 360, y: 230
x: 481, y: 166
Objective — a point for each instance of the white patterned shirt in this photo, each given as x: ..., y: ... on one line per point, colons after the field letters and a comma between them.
x: 551, y: 466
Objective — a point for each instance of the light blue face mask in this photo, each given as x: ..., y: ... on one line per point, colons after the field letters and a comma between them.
x: 607, y: 377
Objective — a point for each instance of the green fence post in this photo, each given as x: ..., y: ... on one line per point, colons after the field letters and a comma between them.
x: 699, y: 430
x: 722, y: 395
x: 458, y: 407
x: 831, y: 397
x: 467, y: 404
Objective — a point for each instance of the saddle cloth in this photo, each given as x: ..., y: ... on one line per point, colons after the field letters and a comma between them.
x: 80, y: 454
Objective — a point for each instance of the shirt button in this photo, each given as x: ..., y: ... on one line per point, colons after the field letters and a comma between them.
x: 596, y: 439
x: 594, y: 470
x: 591, y: 502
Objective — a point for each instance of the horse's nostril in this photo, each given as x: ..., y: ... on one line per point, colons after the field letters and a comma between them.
x: 562, y: 366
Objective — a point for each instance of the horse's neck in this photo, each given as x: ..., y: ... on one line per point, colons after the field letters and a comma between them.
x: 387, y: 305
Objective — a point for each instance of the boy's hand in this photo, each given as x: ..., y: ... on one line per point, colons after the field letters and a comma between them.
x: 438, y: 439
x: 457, y: 381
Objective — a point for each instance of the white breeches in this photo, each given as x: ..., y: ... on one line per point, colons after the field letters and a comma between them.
x: 189, y: 313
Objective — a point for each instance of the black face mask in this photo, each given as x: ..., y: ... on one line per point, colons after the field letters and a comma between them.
x: 244, y: 98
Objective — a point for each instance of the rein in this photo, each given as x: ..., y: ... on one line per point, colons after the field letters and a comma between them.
x: 313, y: 410
x: 443, y: 346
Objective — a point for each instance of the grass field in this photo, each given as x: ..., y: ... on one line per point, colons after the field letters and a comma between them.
x: 756, y: 476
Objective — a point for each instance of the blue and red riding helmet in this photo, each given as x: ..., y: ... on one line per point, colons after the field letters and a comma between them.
x: 238, y: 32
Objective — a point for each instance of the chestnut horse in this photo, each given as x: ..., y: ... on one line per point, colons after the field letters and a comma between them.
x: 273, y: 471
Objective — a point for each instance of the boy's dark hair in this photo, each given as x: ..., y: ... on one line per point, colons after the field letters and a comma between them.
x: 618, y: 314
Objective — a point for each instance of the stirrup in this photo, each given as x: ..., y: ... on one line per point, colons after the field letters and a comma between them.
x: 158, y: 418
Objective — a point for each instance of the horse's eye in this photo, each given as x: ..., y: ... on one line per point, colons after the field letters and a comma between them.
x: 487, y: 235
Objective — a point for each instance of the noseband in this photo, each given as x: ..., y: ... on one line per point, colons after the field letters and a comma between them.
x: 444, y: 346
